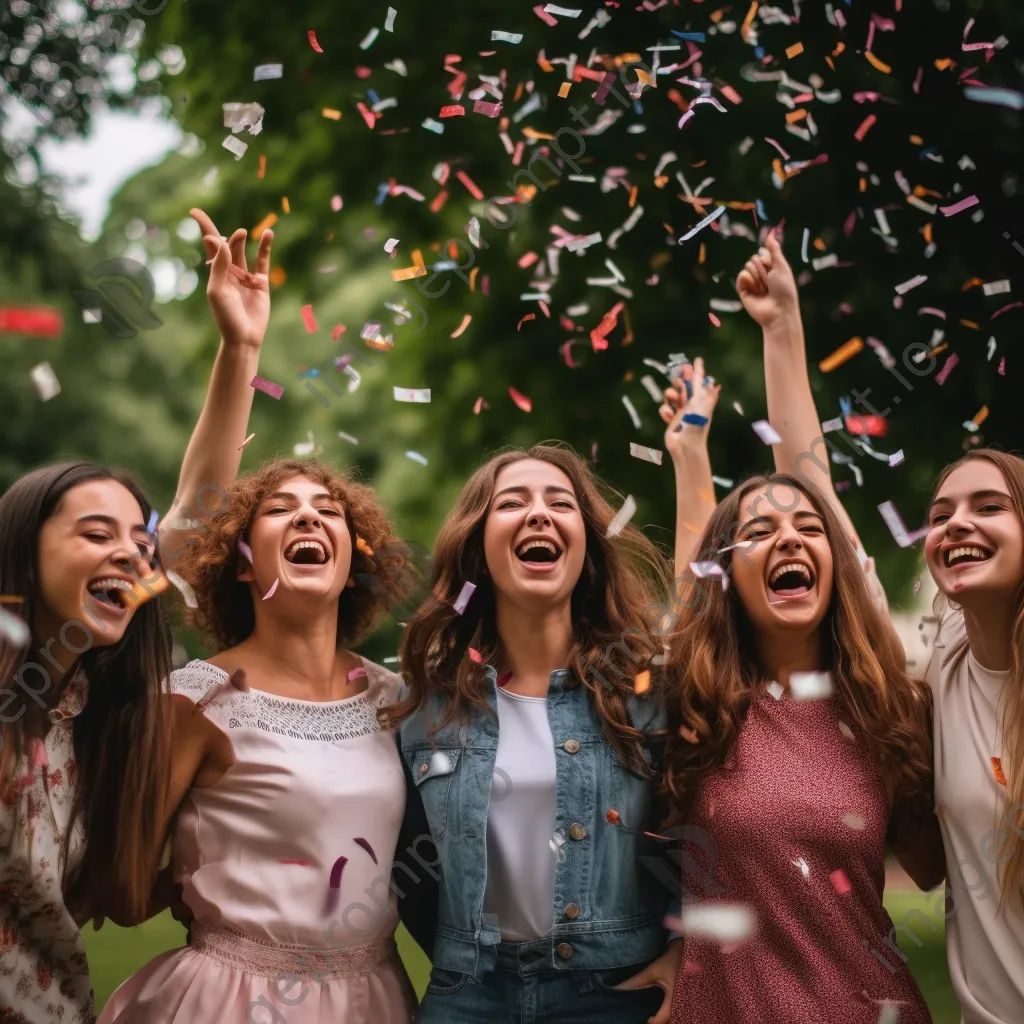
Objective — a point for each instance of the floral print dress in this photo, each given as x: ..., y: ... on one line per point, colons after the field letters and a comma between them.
x: 44, y: 976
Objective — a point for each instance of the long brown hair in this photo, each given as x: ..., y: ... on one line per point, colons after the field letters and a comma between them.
x: 122, y: 736
x: 623, y: 578
x: 714, y: 671
x: 384, y: 578
x: 1011, y: 851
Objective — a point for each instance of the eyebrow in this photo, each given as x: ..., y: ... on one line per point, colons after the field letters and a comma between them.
x: 768, y: 521
x: 293, y: 497
x: 550, y: 489
x: 98, y: 517
x: 976, y: 496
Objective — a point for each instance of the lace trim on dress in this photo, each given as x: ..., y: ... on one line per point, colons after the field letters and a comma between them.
x: 305, y: 720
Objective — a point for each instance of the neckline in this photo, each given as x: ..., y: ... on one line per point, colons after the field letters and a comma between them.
x: 522, y: 696
x: 299, y: 700
x: 986, y: 676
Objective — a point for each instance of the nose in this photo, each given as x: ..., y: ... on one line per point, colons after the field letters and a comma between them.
x: 307, y: 517
x: 959, y: 521
x: 789, y: 538
x: 539, y: 516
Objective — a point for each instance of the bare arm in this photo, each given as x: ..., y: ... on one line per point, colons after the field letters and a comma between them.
x: 240, y: 303
x: 687, y: 443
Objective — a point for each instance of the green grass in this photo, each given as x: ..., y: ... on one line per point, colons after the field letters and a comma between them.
x: 115, y: 953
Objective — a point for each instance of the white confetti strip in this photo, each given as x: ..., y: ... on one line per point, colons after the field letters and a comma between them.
x: 579, y: 244
x: 639, y: 451
x: 726, y: 305
x: 13, y: 630
x: 896, y: 458
x: 390, y: 245
x: 183, y: 588
x: 703, y: 224
x: 348, y: 437
x: 92, y: 316
x: 652, y: 388
x: 497, y: 36
x: 370, y: 39
x: 631, y: 409
x: 722, y: 481
x: 433, y: 126
x: 263, y: 72
x: 824, y: 262
x: 45, y: 381
x: 810, y: 685
x: 775, y: 689
x: 996, y: 287
x: 389, y: 23
x: 766, y: 432
x: 895, y: 523
x: 702, y: 570
x: 398, y: 66
x: 412, y: 394
x: 902, y: 289
x: 463, y: 599
x: 305, y: 448
x: 725, y: 922
x: 828, y: 426
x: 236, y: 146
x: 416, y: 457
x: 239, y: 116
x: 621, y: 518
x: 564, y: 12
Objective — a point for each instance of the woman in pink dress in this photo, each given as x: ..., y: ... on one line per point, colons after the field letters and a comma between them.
x: 798, y: 749
x: 287, y: 797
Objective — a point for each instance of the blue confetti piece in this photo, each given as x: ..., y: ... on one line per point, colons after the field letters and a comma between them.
x: 154, y: 518
x: 695, y: 37
x: 638, y: 108
x: 759, y: 52
x: 846, y: 406
x: 373, y: 96
x: 926, y: 151
x: 761, y: 210
x: 310, y: 373
x: 382, y: 194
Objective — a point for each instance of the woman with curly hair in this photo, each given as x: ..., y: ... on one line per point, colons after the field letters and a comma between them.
x: 531, y: 730
x: 798, y: 748
x: 286, y: 795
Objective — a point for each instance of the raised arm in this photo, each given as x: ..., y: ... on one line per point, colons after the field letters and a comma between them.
x: 240, y: 303
x: 688, y: 421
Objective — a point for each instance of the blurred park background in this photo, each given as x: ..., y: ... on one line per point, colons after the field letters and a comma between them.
x: 878, y: 139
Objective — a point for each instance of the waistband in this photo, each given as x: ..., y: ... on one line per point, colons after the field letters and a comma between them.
x: 524, y: 956
x: 270, y: 960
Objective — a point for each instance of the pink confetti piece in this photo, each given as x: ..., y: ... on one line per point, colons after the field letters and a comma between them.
x: 785, y: 155
x: 1001, y: 370
x: 1006, y: 309
x: 338, y: 331
x: 521, y: 400
x: 466, y: 319
x: 730, y: 94
x: 308, y: 319
x: 523, y: 319
x: 471, y: 186
x: 714, y: 319
x: 486, y: 108
x: 367, y: 847
x: 273, y: 590
x: 336, y: 203
x: 246, y: 551
x: 268, y: 387
x: 357, y: 673
x: 339, y: 866
x: 849, y: 223
x: 368, y: 115
x: 312, y: 41
x: 840, y: 882
x: 464, y: 595
x: 932, y: 311
x: 453, y: 110
x: 902, y: 289
x: 865, y: 127
x: 475, y: 655
x: 566, y: 351
x: 947, y: 369
x: 478, y: 405
x: 964, y: 204
x: 917, y: 80
x: 544, y: 16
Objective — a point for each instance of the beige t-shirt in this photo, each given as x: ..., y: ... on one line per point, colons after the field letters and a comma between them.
x: 984, y: 944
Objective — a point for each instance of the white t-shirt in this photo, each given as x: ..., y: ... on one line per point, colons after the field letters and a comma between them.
x: 521, y: 857
x: 984, y: 944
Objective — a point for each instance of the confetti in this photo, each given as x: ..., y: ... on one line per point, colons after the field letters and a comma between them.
x: 475, y: 656
x: 416, y: 457
x: 463, y: 599
x: 45, y: 381
x: 703, y: 224
x: 154, y: 518
x: 13, y: 630
x: 725, y: 922
x: 273, y: 590
x: 312, y: 40
x: 31, y: 321
x: 766, y: 432
x: 466, y: 319
x: 1000, y: 97
x: 412, y: 394
x: 997, y: 771
x: 896, y: 458
x: 865, y: 127
x: 841, y: 355
x: 639, y: 451
x: 702, y: 570
x: 308, y: 319
x: 810, y: 685
x: 236, y: 146
x: 621, y: 518
x: 370, y: 38
x: 631, y: 409
x: 246, y: 441
x: 182, y: 587
x: 964, y: 204
x: 996, y: 287
x: 840, y: 882
x: 390, y: 245
x: 452, y: 110
x: 947, y: 369
x: 902, y: 289
x: 246, y: 551
x: 642, y: 682
x: 264, y: 72
x: 497, y: 36
x: 521, y: 400
x: 775, y: 689
x: 267, y: 387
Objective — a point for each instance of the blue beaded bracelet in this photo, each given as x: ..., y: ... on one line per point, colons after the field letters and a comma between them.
x: 695, y: 419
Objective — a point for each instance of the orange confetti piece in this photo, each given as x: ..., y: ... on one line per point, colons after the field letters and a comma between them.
x: 916, y: 140
x: 969, y: 323
x: 563, y: 89
x: 453, y: 110
x: 927, y: 232
x: 839, y: 49
x: 408, y: 273
x: 875, y: 62
x: 634, y: 192
x: 284, y: 204
x: 544, y: 64
x: 472, y: 278
x: 599, y: 335
x: 268, y: 222
x: 262, y: 168
x: 532, y: 133
x: 457, y: 333
x: 471, y: 186
x: 980, y: 416
x: 331, y: 114
x: 749, y: 20
x: 528, y: 316
x: 312, y: 41
x: 997, y: 766
x: 944, y: 62
x: 521, y: 400
x: 438, y: 201
x: 278, y: 276
x: 642, y: 683
x: 361, y: 545
x: 795, y: 50
x: 795, y: 115
x: 841, y: 355
x: 702, y: 253
x: 865, y: 127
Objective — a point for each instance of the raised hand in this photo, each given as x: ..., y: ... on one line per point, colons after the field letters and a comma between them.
x: 766, y: 284
x: 239, y: 299
x: 699, y: 405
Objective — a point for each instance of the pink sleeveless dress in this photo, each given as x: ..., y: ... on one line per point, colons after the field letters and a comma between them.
x: 286, y: 863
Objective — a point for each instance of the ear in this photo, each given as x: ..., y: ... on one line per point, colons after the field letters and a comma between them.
x: 350, y: 582
x: 243, y: 572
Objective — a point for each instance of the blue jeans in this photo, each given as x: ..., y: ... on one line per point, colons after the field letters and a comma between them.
x: 525, y: 990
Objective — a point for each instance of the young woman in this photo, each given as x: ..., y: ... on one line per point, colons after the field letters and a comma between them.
x: 798, y: 747
x: 286, y: 796
x: 532, y: 735
x: 80, y: 707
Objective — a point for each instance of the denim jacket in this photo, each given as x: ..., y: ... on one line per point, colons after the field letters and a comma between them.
x: 608, y: 906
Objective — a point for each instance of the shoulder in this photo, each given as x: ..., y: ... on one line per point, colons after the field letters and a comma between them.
x: 387, y: 685
x: 195, y: 679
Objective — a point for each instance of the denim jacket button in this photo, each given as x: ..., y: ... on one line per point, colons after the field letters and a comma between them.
x: 571, y: 746
x: 577, y: 831
x: 564, y: 950
x: 572, y: 911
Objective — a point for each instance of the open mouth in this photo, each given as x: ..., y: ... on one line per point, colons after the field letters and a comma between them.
x: 965, y: 555
x: 538, y: 552
x: 790, y: 580
x: 306, y: 552
x: 111, y: 591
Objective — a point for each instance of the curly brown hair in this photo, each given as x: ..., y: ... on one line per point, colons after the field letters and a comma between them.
x: 714, y: 669
x: 616, y: 600
x: 225, y: 613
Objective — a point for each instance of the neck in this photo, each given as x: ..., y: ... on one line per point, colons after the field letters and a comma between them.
x: 536, y: 643
x: 782, y: 654
x: 300, y: 645
x: 990, y: 632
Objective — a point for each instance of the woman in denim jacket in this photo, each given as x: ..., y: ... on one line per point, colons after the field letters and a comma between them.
x: 531, y: 734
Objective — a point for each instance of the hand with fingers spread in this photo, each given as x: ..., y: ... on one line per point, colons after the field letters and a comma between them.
x: 239, y: 299
x: 766, y: 284
x: 661, y: 974
x: 687, y: 410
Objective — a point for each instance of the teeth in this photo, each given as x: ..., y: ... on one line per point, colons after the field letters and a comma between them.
x: 530, y: 545
x: 790, y: 567
x: 113, y: 583
x: 314, y: 544
x: 967, y: 552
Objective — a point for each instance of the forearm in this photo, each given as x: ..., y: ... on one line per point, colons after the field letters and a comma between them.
x: 695, y: 501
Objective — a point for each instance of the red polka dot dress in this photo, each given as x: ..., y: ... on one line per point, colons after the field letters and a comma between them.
x: 792, y: 828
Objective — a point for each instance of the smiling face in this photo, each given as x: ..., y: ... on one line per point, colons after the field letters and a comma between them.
x: 783, y: 577
x: 975, y: 549
x: 90, y: 552
x: 299, y: 536
x: 535, y: 539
